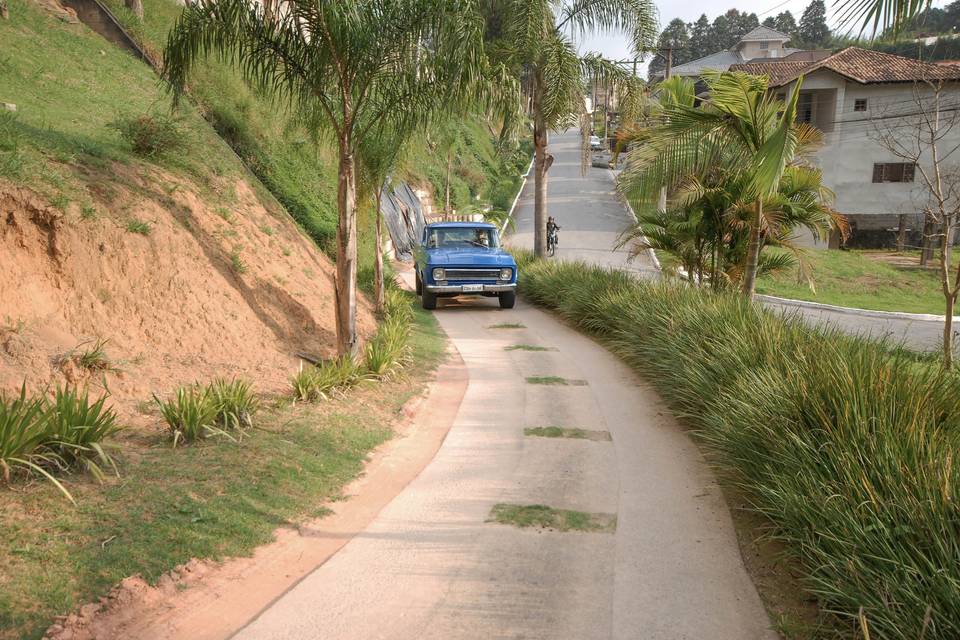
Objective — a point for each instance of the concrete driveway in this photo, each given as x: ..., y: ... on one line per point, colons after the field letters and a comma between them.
x: 432, y: 566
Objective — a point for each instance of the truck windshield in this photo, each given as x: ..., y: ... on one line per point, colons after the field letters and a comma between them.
x: 462, y: 237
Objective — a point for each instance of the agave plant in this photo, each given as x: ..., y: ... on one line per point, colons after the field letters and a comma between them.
x: 191, y: 415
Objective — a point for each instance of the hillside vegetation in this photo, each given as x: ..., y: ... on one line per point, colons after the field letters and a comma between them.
x: 174, y: 259
x: 302, y: 174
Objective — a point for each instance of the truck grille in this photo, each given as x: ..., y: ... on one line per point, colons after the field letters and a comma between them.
x: 473, y: 274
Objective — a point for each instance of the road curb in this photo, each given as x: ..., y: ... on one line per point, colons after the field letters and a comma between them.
x: 854, y: 311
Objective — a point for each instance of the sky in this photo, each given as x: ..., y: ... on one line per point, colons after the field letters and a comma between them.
x: 615, y: 46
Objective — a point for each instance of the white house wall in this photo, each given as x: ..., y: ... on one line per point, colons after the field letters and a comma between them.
x: 851, y: 149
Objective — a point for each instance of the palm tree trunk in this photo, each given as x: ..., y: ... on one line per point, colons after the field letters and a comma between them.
x: 378, y: 258
x: 446, y: 197
x: 753, y: 253
x: 346, y: 278
x: 541, y: 164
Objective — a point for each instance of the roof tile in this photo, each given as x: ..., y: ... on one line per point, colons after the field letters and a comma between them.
x: 860, y: 65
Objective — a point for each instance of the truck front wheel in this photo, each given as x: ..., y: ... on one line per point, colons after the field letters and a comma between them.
x: 508, y: 299
x: 419, y: 284
x: 428, y: 300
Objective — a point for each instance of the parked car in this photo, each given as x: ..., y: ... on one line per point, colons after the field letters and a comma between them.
x: 464, y: 258
x: 595, y: 143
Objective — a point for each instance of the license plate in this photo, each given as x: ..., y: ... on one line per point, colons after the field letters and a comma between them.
x: 472, y: 288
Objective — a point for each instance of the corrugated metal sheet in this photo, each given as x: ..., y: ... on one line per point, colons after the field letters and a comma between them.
x: 403, y: 216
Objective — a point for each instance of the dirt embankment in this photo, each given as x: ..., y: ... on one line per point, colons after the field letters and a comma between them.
x: 179, y: 290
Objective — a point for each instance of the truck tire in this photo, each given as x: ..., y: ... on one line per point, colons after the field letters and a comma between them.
x: 429, y: 300
x: 419, y: 285
x: 508, y: 299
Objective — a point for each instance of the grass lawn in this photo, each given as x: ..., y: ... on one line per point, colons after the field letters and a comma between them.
x: 210, y: 500
x: 68, y: 103
x: 880, y: 280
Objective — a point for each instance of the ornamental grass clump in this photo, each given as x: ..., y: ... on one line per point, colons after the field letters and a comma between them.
x: 847, y: 445
x: 48, y: 436
x: 190, y: 415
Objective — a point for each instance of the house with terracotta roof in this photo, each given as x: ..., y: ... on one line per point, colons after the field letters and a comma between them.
x: 852, y: 96
x: 758, y: 44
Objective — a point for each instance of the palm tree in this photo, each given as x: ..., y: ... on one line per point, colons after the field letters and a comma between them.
x: 707, y: 225
x: 740, y: 127
x: 341, y: 67
x: 529, y: 36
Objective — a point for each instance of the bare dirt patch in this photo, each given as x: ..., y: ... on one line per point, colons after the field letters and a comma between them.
x: 200, y: 295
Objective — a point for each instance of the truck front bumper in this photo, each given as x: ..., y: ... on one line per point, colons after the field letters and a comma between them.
x: 471, y: 288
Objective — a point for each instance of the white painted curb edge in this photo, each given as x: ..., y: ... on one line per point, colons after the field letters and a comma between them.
x: 626, y: 203
x: 517, y: 197
x: 854, y: 311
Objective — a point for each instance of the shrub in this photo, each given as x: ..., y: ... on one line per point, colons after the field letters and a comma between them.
x: 44, y: 436
x: 138, y: 226
x: 844, y: 444
x: 150, y: 135
x: 313, y: 383
x: 191, y: 415
x: 77, y: 428
x: 235, y: 403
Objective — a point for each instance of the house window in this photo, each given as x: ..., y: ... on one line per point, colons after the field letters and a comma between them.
x: 806, y: 107
x: 893, y: 171
x: 860, y: 104
x: 764, y: 45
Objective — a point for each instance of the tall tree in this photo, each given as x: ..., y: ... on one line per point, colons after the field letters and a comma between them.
x: 784, y: 23
x: 742, y: 127
x: 676, y: 38
x: 700, y: 37
x: 341, y: 67
x: 535, y: 45
x: 770, y: 21
x: 813, y: 30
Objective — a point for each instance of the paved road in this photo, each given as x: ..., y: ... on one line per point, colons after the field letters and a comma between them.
x: 586, y: 207
x: 431, y: 566
x: 592, y: 217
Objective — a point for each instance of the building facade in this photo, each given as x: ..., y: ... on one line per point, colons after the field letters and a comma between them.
x: 863, y: 101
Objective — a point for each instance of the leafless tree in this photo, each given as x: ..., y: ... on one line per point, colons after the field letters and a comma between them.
x: 923, y: 136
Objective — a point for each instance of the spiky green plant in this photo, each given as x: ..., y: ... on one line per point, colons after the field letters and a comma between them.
x: 46, y: 436
x: 23, y: 432
x: 190, y: 415
x: 77, y: 428
x: 235, y: 402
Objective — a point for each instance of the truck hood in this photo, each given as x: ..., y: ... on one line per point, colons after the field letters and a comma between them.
x: 470, y: 257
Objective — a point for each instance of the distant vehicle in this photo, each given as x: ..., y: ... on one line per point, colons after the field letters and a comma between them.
x: 464, y: 258
x: 595, y: 143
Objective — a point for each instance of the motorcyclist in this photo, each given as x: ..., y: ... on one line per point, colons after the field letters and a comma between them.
x: 552, y: 228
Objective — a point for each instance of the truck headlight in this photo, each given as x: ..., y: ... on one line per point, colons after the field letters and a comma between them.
x: 439, y: 274
x: 506, y: 274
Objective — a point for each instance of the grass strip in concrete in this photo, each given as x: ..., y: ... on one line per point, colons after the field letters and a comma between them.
x: 564, y: 432
x: 527, y: 347
x: 556, y: 381
x: 540, y: 516
x: 508, y: 325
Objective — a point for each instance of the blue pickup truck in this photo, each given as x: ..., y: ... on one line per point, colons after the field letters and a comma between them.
x: 464, y: 258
